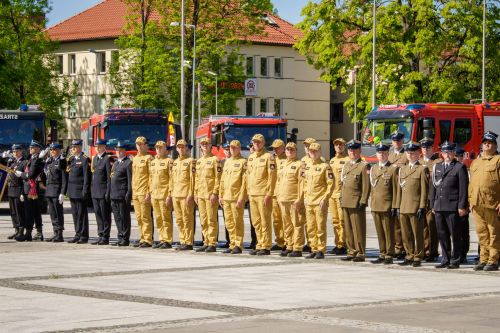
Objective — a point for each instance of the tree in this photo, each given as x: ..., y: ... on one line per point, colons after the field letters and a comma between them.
x: 427, y: 51
x: 148, y: 71
x: 27, y: 68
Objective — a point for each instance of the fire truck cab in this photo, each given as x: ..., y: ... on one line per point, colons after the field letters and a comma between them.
x: 224, y: 129
x: 463, y: 124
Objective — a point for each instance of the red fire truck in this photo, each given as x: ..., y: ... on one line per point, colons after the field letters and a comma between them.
x: 224, y: 129
x: 125, y: 125
x: 463, y: 124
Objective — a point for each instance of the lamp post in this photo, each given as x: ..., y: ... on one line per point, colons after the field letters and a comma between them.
x: 96, y: 80
x: 183, y: 102
x: 216, y: 97
x: 373, y: 52
x: 483, y: 69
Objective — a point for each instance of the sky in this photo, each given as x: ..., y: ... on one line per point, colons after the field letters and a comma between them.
x: 63, y: 9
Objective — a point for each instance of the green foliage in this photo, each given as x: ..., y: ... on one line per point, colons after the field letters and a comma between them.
x: 427, y: 51
x: 27, y: 70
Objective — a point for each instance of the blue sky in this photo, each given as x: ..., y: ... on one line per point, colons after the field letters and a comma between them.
x: 63, y: 9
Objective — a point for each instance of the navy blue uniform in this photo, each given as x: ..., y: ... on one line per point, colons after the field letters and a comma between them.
x: 33, y: 169
x: 14, y: 191
x: 56, y: 184
x: 78, y: 192
x: 121, y: 197
x: 100, y: 188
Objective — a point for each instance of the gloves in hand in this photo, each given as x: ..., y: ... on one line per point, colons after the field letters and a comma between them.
x: 61, y: 199
x: 21, y: 198
x: 361, y: 206
x: 5, y: 154
x: 43, y: 153
x: 18, y: 173
x: 420, y: 213
x: 394, y: 212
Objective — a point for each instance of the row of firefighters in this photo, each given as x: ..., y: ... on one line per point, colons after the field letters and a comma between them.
x: 418, y: 199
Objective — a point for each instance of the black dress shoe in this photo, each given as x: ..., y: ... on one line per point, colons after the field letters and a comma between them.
x: 201, y: 249
x: 332, y: 251
x: 96, y: 242
x: 480, y: 266
x: 103, y: 241
x: 431, y: 259
x: 284, y: 253
x: 74, y: 240
x: 377, y: 261
x: 144, y: 245
x: 210, y: 249
x: 295, y: 254
x: 400, y: 256
x: 166, y: 245
x: 348, y: 258
x: 311, y: 255
x: 185, y: 247
x: 251, y: 246
x: 123, y: 243
x: 225, y: 246
x: 157, y: 245
x: 138, y: 244
x: 341, y: 251
x: 319, y: 255
x: 253, y: 252
x: 264, y: 252
x: 226, y: 251
x: 442, y: 265
x: 490, y: 268
x: 38, y: 236
x: 417, y: 263
x: 236, y: 250
x: 306, y: 248
x: 464, y: 260
x: 406, y: 262
x: 276, y: 247
x: 388, y: 261
x: 82, y: 241
x: 358, y: 259
x: 453, y: 266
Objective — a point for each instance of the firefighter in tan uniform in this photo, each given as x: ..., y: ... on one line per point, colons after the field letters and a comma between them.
x: 398, y: 159
x: 318, y: 186
x: 337, y: 163
x: 290, y: 199
x: 161, y: 196
x: 278, y: 147
x: 261, y: 181
x: 383, y: 204
x: 232, y: 196
x: 431, y: 241
x: 206, y: 192
x: 182, y: 189
x: 141, y: 198
x: 354, y: 199
x: 411, y: 201
x: 484, y: 201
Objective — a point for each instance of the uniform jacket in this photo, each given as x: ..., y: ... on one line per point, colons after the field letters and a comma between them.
x: 399, y: 159
x: 412, y: 189
x: 121, y: 180
x: 337, y: 164
x: 56, y: 176
x: 183, y: 177
x: 140, y: 174
x: 384, y: 187
x: 159, y: 177
x: 233, y: 179
x: 279, y: 162
x: 449, y: 192
x: 355, y: 184
x: 101, y: 170
x: 35, y: 168
x: 15, y: 184
x: 290, y: 185
x: 261, y: 174
x: 318, y: 182
x: 208, y: 173
x: 79, y: 177
x: 484, y: 186
x: 430, y: 165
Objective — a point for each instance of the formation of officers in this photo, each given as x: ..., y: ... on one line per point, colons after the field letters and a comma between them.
x: 418, y: 199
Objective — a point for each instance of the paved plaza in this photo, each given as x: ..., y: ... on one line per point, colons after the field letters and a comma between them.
x: 48, y: 287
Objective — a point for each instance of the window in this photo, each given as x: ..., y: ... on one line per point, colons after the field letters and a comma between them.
x: 427, y: 132
x: 463, y: 131
x: 263, y: 105
x: 336, y: 113
x: 263, y: 66
x: 101, y: 62
x: 277, y: 107
x: 250, y: 65
x: 72, y: 63
x: 59, y: 64
x: 249, y: 106
x: 72, y: 107
x: 278, y: 67
x: 444, y: 130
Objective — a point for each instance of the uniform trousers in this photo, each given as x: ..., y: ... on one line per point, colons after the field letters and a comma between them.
x: 233, y: 218
x: 431, y: 241
x: 32, y: 213
x: 102, y: 210
x: 316, y: 227
x: 279, y: 236
x: 488, y: 232
x: 121, y: 214
x: 16, y: 212
x: 262, y: 221
x: 163, y: 218
x: 448, y: 225
x: 142, y: 211
x: 184, y: 217
x: 293, y: 221
x: 56, y: 213
x: 209, y: 221
x: 355, y: 232
x: 80, y: 218
x: 337, y: 222
x: 413, y: 236
x: 384, y: 225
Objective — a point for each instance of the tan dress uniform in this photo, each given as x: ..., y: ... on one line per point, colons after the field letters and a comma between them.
x: 278, y: 223
x: 159, y: 180
x: 208, y: 172
x: 289, y: 190
x: 355, y: 192
x: 484, y: 197
x: 140, y: 189
x: 182, y: 187
x: 412, y: 195
x: 384, y: 189
x: 398, y: 160
x: 232, y: 189
x: 318, y: 186
x: 261, y: 181
x: 337, y: 163
x: 431, y: 241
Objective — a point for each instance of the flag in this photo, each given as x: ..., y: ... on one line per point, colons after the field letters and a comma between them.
x: 171, y: 129
x: 4, y: 173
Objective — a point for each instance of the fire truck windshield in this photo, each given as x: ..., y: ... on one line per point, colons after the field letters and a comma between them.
x: 20, y: 131
x: 245, y: 133
x: 127, y: 133
x: 380, y: 130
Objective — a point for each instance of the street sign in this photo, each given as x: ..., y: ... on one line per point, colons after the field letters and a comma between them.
x: 251, y: 87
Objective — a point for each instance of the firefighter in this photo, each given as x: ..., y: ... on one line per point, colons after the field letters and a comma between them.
x: 412, y: 201
x: 15, y: 189
x: 141, y: 198
x: 384, y: 187
x: 278, y: 148
x: 78, y: 191
x: 57, y: 182
x: 161, y: 196
x: 484, y: 200
x: 318, y: 186
x: 100, y: 187
x: 431, y: 242
x: 227, y: 154
x: 261, y: 181
x: 306, y: 159
x: 354, y: 199
x: 182, y: 187
x: 206, y: 192
x: 291, y: 201
x: 459, y: 154
x: 337, y: 163
x: 232, y: 196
